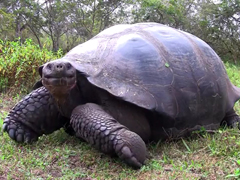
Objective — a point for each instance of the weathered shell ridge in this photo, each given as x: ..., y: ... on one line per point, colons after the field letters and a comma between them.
x: 158, y: 68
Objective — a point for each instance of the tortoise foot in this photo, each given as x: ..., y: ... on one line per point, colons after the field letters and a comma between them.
x: 231, y: 120
x: 95, y: 126
x: 19, y: 132
x: 130, y: 148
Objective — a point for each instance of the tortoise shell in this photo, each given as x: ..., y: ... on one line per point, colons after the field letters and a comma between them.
x: 159, y: 68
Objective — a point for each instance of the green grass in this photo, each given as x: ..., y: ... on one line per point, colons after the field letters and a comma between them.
x: 59, y: 156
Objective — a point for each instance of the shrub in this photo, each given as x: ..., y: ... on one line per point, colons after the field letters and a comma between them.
x: 19, y: 64
x: 233, y: 72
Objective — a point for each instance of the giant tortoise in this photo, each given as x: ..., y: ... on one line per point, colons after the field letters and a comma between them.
x: 128, y: 85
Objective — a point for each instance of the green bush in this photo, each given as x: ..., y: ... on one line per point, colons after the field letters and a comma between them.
x: 19, y: 64
x: 233, y: 72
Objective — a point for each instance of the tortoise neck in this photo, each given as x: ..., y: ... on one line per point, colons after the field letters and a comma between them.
x: 67, y: 102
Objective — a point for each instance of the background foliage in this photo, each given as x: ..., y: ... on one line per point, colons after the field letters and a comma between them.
x: 58, y: 24
x: 68, y: 23
x: 19, y: 64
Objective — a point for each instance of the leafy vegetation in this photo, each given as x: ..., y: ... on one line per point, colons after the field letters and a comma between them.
x: 68, y: 23
x: 19, y: 64
x: 60, y: 156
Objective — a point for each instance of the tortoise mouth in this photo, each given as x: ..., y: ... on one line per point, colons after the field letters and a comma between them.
x: 59, y: 85
x: 59, y: 77
x: 59, y: 81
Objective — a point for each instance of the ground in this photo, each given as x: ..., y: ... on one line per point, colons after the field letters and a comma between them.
x: 207, y: 156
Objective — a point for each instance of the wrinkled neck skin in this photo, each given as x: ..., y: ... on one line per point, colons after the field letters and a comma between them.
x: 68, y: 97
x: 68, y: 101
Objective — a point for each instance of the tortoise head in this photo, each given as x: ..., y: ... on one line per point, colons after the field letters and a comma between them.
x: 58, y: 76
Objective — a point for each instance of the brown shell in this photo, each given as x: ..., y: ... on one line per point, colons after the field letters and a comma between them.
x: 158, y: 68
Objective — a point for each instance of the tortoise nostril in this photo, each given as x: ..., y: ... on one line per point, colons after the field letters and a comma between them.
x: 59, y: 66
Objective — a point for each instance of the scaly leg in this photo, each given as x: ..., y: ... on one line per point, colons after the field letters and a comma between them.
x: 231, y: 119
x: 35, y: 115
x: 94, y: 125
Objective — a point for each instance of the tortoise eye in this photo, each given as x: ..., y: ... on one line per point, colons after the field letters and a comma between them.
x: 49, y: 66
x: 68, y: 66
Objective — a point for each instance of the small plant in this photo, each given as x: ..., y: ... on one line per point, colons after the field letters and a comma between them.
x: 236, y: 173
x: 19, y: 63
x: 232, y: 71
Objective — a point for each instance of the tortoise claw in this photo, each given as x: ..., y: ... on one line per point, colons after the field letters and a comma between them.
x: 130, y: 148
x: 18, y: 132
x: 94, y: 125
x: 232, y: 120
x: 127, y: 155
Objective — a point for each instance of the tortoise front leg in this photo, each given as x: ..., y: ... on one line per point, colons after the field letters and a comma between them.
x: 91, y: 123
x: 35, y: 115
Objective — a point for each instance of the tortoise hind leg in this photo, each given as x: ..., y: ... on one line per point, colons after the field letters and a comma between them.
x: 94, y: 125
x: 231, y: 119
x: 35, y: 115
